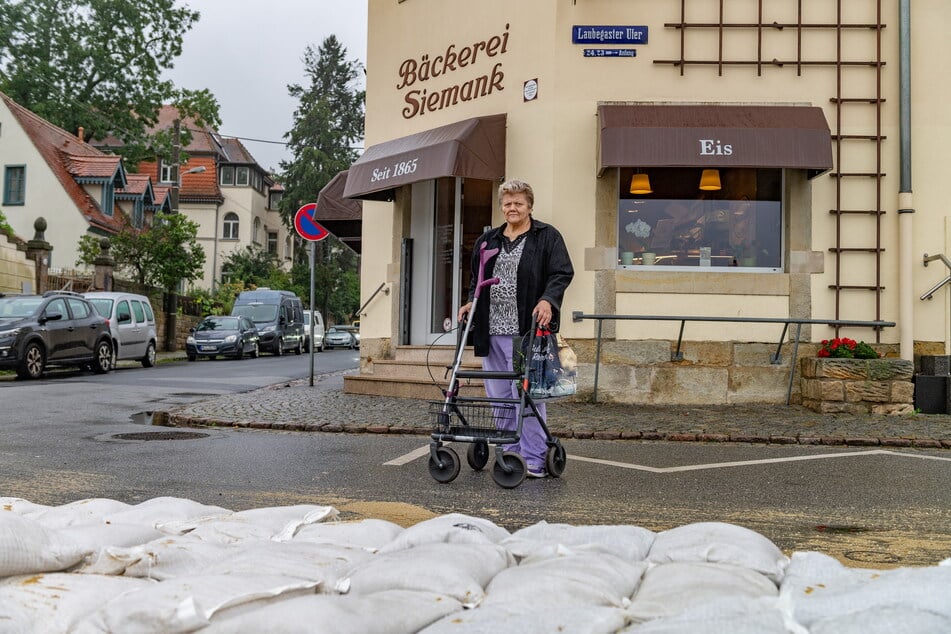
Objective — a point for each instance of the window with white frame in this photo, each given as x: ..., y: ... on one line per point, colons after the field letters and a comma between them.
x: 256, y: 231
x: 14, y: 185
x: 230, y: 231
x: 167, y: 172
x: 272, y: 242
x: 226, y: 175
x: 241, y: 175
x: 666, y: 220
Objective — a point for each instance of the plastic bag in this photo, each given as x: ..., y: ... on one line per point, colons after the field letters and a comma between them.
x: 547, y: 377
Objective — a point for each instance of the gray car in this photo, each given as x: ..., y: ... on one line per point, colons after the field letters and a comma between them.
x: 131, y: 322
x: 341, y: 337
x: 229, y: 336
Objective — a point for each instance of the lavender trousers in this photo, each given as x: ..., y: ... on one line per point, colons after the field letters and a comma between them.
x: 531, y: 444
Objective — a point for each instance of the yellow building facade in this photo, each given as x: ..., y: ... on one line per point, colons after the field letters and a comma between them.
x: 618, y: 112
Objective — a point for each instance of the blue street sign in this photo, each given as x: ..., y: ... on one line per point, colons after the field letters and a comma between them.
x: 307, y: 227
x: 615, y: 34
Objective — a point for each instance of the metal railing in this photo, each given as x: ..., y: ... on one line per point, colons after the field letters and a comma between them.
x: 381, y: 288
x: 677, y: 355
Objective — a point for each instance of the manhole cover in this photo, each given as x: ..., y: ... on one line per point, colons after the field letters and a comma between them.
x: 840, y: 528
x: 161, y: 435
x: 872, y: 557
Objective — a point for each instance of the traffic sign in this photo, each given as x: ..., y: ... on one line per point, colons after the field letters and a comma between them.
x: 307, y: 227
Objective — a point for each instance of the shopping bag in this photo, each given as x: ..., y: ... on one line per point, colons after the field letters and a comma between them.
x: 547, y: 376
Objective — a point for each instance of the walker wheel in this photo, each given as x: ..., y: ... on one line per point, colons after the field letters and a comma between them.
x: 556, y: 460
x: 478, y: 455
x: 450, y: 465
x: 516, y: 463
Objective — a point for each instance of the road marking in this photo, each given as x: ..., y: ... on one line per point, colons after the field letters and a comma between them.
x: 424, y: 451
x: 745, y: 463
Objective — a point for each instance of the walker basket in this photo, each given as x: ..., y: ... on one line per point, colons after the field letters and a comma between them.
x: 479, y: 420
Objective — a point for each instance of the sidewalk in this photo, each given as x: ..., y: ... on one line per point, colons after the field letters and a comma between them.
x: 297, y: 406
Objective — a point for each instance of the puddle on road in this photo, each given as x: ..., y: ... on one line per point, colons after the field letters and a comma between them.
x: 157, y: 417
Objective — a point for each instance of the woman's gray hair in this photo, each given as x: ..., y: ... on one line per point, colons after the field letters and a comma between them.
x: 515, y: 186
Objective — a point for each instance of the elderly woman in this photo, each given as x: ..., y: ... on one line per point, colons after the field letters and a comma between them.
x: 534, y: 270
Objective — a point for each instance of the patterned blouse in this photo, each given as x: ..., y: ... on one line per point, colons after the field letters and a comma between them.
x: 503, y: 304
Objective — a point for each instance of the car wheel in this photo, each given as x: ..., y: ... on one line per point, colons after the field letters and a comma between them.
x: 255, y: 351
x: 239, y: 354
x: 323, y: 347
x: 306, y: 344
x: 149, y: 359
x: 102, y: 362
x: 279, y: 350
x: 192, y: 357
x: 300, y: 347
x: 33, y: 363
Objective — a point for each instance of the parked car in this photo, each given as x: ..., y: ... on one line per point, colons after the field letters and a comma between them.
x: 314, y: 331
x: 278, y: 315
x: 131, y: 322
x: 341, y: 337
x: 53, y: 329
x: 230, y: 336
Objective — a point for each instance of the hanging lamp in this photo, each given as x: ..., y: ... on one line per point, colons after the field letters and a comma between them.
x: 641, y: 184
x: 710, y: 180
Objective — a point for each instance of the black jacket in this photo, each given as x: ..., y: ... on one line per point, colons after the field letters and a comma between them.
x: 544, y: 272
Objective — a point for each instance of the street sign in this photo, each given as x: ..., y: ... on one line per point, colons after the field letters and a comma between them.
x: 307, y: 227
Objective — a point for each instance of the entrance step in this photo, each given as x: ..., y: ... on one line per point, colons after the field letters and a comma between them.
x: 373, y: 385
x: 436, y: 355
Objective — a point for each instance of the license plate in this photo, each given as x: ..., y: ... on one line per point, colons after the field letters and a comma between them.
x: 208, y: 348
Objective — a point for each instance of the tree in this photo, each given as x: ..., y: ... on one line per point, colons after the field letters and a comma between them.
x: 164, y: 255
x: 97, y: 64
x: 252, y: 265
x: 328, y: 123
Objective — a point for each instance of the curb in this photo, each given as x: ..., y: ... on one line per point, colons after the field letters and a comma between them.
x: 170, y: 419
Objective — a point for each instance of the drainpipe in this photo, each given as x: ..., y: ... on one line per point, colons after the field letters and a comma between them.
x: 214, y: 252
x: 906, y: 316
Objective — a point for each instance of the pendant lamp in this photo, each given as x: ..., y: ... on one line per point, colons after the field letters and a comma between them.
x: 710, y: 180
x: 641, y: 184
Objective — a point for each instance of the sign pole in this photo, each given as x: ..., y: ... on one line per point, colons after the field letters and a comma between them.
x: 313, y: 247
x: 309, y: 229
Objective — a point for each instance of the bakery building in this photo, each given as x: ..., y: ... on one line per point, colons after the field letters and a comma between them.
x: 734, y: 159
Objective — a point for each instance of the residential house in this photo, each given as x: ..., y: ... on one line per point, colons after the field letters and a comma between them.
x: 233, y: 200
x: 80, y: 190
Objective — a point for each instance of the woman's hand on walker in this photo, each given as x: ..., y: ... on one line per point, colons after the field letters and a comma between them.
x: 542, y: 312
x: 463, y: 311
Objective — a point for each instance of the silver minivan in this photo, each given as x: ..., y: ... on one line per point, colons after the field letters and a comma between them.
x: 132, y: 323
x: 314, y: 331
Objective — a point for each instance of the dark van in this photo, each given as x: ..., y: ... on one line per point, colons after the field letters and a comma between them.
x: 278, y: 315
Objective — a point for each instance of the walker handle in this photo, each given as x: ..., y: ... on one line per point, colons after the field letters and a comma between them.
x: 484, y: 255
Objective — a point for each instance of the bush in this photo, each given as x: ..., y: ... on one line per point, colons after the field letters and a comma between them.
x: 845, y: 348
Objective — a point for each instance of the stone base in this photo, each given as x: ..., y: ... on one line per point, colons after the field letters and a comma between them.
x: 877, y: 386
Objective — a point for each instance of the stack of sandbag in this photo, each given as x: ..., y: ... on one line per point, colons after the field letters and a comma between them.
x: 174, y: 565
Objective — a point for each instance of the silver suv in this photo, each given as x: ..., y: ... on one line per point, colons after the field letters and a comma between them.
x: 131, y: 322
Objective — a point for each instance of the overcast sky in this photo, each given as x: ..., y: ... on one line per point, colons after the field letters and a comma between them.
x: 246, y: 52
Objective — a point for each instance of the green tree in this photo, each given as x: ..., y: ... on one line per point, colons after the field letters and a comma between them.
x: 252, y: 265
x: 97, y: 64
x: 328, y: 123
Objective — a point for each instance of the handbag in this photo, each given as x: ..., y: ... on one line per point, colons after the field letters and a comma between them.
x: 547, y: 374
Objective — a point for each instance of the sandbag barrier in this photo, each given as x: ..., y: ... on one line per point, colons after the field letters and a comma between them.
x: 175, y: 565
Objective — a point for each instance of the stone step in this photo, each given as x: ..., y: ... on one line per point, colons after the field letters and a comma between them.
x: 401, y: 388
x: 436, y: 355
x: 417, y: 370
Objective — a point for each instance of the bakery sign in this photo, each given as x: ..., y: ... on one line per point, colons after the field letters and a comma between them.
x: 454, y: 63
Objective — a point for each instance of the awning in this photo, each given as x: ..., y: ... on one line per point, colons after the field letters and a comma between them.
x: 794, y: 137
x: 474, y: 148
x: 341, y: 216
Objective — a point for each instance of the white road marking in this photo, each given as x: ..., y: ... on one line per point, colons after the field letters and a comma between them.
x: 424, y: 451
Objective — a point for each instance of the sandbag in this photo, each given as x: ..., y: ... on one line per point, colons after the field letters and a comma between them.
x: 371, y: 534
x: 537, y: 617
x: 588, y: 579
x: 85, y: 511
x: 26, y: 547
x: 277, y: 523
x: 459, y: 570
x: 184, y: 604
x: 160, y: 559
x: 324, y: 563
x: 454, y: 528
x: 717, y: 542
x: 734, y: 615
x: 162, y: 510
x: 389, y: 612
x: 541, y: 540
x: 670, y: 589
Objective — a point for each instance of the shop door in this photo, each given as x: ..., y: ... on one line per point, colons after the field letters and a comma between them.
x: 448, y: 215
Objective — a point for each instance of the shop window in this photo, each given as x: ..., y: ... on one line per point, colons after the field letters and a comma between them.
x: 678, y: 225
x: 14, y: 185
x: 231, y: 223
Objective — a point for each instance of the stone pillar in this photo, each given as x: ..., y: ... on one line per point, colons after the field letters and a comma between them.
x: 105, y: 265
x: 38, y: 250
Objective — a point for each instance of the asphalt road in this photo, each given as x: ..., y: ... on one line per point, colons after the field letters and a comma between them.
x: 67, y: 437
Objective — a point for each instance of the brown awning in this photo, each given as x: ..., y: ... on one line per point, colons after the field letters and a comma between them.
x: 474, y: 148
x: 341, y: 216
x: 795, y: 137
